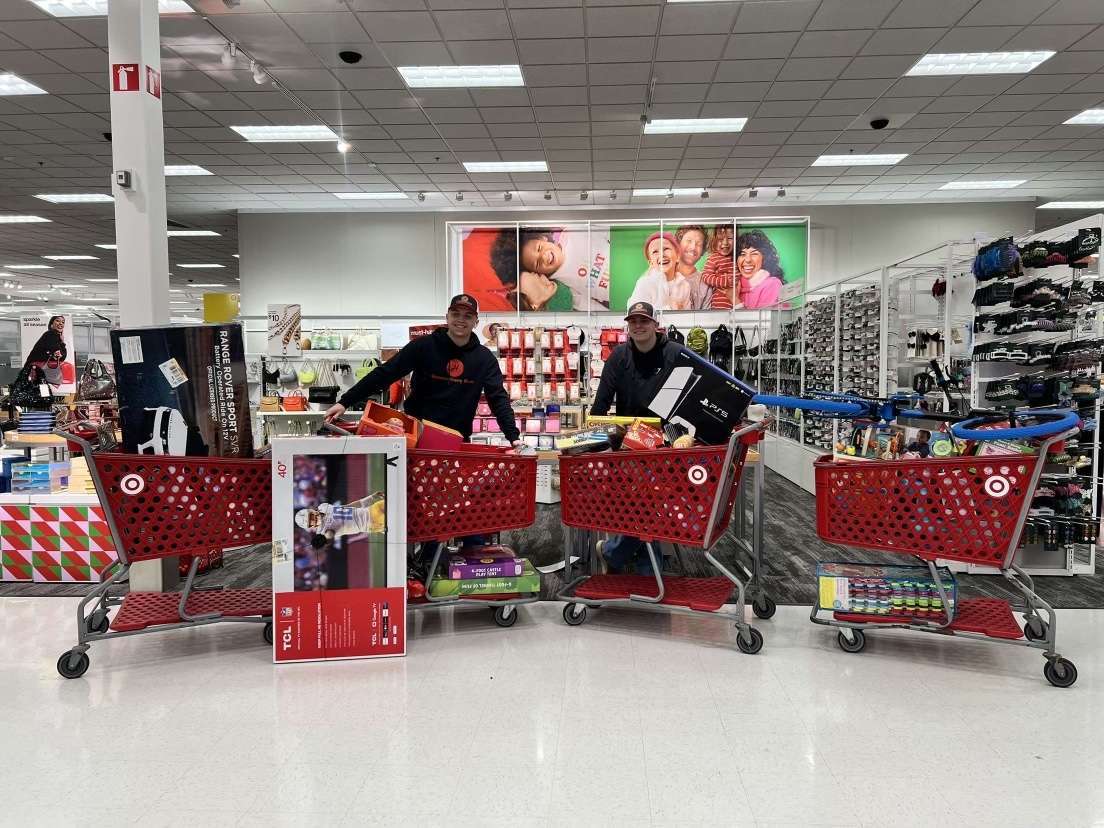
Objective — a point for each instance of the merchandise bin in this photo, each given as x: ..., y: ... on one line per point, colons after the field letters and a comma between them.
x: 681, y: 496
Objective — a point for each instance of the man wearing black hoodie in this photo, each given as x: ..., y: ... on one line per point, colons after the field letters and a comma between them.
x: 450, y: 369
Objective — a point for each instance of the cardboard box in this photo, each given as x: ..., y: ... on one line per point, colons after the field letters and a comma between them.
x: 182, y: 390
x: 439, y: 437
x: 339, y: 547
x: 698, y: 395
x: 377, y: 421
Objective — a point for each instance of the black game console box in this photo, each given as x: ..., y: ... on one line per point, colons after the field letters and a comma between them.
x: 182, y: 390
x: 704, y: 399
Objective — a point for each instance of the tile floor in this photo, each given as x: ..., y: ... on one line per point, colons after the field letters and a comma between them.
x: 630, y: 719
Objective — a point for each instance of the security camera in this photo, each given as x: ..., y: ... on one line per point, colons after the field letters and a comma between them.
x: 507, y: 196
x: 421, y: 196
x: 350, y: 56
x: 879, y: 123
x: 781, y: 192
x: 705, y: 193
x: 753, y: 193
x: 584, y: 195
x: 547, y: 195
x: 459, y: 196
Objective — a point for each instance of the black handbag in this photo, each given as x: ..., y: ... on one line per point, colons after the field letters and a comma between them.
x: 26, y: 391
x: 95, y: 382
x: 325, y: 389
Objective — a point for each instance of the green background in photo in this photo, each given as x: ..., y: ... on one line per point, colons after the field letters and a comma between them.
x: 792, y: 243
x: 627, y: 262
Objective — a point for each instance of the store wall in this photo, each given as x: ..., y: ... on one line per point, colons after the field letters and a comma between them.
x: 376, y: 264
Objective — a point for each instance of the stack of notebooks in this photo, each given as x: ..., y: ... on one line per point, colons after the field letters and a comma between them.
x: 485, y: 571
x: 80, y: 481
x: 36, y: 422
x: 39, y: 478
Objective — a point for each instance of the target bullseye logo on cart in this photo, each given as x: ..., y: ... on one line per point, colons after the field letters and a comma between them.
x: 697, y: 475
x: 997, y: 486
x: 132, y: 484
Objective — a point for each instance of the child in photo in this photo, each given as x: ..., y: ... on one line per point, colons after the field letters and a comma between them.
x: 720, y: 269
x: 554, y: 269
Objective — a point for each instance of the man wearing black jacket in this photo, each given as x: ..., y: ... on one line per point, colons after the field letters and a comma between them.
x: 450, y: 369
x: 631, y: 377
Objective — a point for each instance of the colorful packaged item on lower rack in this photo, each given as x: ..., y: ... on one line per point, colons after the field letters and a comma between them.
x: 886, y: 592
x: 485, y: 562
x: 527, y: 582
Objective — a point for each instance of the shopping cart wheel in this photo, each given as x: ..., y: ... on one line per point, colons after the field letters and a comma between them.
x: 77, y: 671
x: 1059, y: 672
x: 764, y: 607
x: 1035, y: 629
x: 268, y: 632
x: 754, y: 645
x: 575, y: 614
x: 851, y: 645
x: 98, y: 622
x: 505, y: 616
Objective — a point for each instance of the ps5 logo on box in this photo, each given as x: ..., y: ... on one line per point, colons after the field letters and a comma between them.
x: 713, y: 408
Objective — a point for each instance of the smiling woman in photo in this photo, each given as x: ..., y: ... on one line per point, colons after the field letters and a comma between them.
x: 661, y: 285
x: 759, y: 270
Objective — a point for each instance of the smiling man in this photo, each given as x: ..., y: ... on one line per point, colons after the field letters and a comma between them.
x: 450, y: 370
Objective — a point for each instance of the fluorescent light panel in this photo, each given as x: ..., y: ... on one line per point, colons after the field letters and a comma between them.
x: 179, y: 233
x: 201, y: 266
x: 102, y: 281
x: 208, y: 284
x: 979, y: 63
x: 286, y: 134
x: 371, y: 196
x: 1072, y: 205
x: 75, y: 198
x: 14, y: 85
x: 983, y: 185
x: 24, y: 220
x: 505, y: 166
x: 669, y: 126
x: 98, y: 8
x: 1090, y: 117
x: 439, y: 77
x: 29, y: 267
x: 72, y: 258
x: 185, y: 169
x: 107, y: 246
x: 665, y: 191
x: 855, y: 160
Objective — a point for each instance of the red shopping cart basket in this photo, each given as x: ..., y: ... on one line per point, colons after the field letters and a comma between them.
x: 158, y: 507
x: 967, y: 509
x: 477, y: 490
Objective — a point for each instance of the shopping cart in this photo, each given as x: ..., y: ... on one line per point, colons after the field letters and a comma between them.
x: 160, y: 507
x: 451, y: 495
x: 680, y: 496
x: 966, y: 509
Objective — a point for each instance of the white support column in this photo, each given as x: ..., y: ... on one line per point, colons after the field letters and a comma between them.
x: 138, y: 148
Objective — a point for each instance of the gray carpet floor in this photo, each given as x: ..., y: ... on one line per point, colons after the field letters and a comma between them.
x: 791, y: 552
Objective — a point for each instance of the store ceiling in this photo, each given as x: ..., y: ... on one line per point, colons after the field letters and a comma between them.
x: 809, y: 75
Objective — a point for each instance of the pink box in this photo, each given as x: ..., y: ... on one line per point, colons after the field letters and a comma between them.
x: 533, y: 425
x: 483, y: 409
x: 552, y: 424
x: 491, y: 426
x: 477, y: 425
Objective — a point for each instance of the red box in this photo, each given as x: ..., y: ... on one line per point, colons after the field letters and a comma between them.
x: 375, y: 422
x: 439, y: 437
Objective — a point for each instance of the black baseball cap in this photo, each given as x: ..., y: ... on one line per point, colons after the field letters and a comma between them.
x: 464, y: 300
x: 641, y: 309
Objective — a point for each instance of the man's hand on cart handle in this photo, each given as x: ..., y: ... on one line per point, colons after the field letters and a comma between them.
x: 333, y: 412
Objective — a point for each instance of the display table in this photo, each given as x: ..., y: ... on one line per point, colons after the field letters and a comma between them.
x: 58, y: 446
x: 54, y: 538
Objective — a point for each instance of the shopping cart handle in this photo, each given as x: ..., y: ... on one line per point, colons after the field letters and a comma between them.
x: 830, y: 407
x: 1057, y: 422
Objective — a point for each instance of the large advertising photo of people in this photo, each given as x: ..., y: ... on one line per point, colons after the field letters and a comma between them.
x: 684, y: 265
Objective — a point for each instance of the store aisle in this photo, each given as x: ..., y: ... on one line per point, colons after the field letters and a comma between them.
x: 630, y: 719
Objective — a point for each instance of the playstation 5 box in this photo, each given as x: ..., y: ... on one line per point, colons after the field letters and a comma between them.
x: 702, y: 398
x: 182, y: 390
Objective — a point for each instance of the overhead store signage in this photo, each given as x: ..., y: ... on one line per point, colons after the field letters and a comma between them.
x: 124, y: 77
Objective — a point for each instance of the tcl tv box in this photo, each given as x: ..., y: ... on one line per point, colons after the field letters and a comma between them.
x: 698, y: 395
x: 182, y: 390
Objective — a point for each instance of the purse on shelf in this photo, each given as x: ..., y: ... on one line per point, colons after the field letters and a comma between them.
x: 307, y: 374
x: 295, y: 401
x: 26, y: 391
x: 325, y: 388
x: 270, y: 377
x: 365, y: 368
x: 287, y: 373
x: 95, y: 382
x: 269, y: 404
x: 362, y: 340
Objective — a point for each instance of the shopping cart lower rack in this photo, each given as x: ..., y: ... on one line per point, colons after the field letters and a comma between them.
x: 966, y: 509
x: 161, y: 507
x: 681, y: 496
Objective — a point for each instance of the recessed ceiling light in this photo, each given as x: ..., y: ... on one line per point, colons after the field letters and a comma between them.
x: 983, y: 185
x: 1093, y: 117
x: 72, y: 258
x: 286, y: 134
x: 186, y: 169
x: 175, y: 290
x: 235, y: 255
x: 103, y: 281
x: 668, y: 126
x: 178, y: 233
x: 979, y: 63
x: 201, y: 266
x: 14, y: 85
x: 343, y: 147
x: 666, y: 191
x: 1072, y: 205
x: 98, y: 8
x: 107, y: 246
x: 453, y: 76
x: 208, y: 284
x: 505, y: 166
x: 29, y: 267
x: 370, y: 196
x: 75, y: 198
x: 856, y: 160
x: 23, y: 220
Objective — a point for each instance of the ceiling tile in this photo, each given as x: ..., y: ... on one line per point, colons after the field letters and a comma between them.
x: 851, y: 14
x: 1047, y: 37
x: 743, y: 46
x: 418, y: 54
x: 1076, y: 11
x: 473, y: 25
x: 547, y: 23
x: 331, y: 27
x: 400, y: 26
x: 882, y: 66
x: 831, y: 43
x: 699, y: 18
x: 628, y: 21
x: 776, y: 15
x: 812, y: 68
x: 690, y: 47
x: 975, y: 39
x: 553, y: 51
x: 483, y: 51
x: 749, y: 70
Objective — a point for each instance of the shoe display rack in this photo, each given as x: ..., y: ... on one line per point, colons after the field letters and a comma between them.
x: 1038, y: 341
